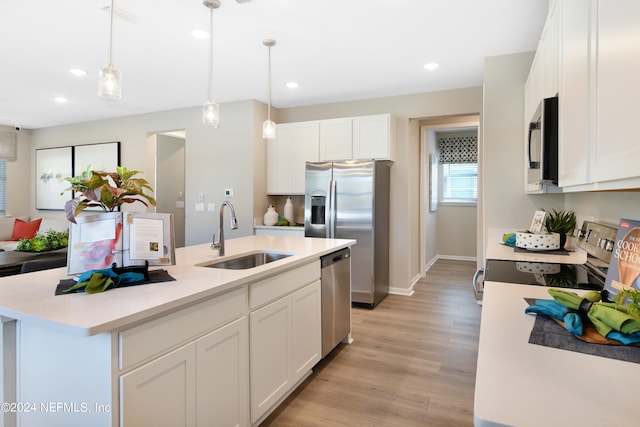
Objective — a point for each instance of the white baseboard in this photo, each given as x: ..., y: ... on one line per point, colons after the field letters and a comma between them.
x: 455, y: 257
x: 410, y: 291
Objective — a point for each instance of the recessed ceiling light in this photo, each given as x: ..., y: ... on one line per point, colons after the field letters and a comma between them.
x: 60, y: 99
x: 431, y: 66
x: 292, y: 85
x: 78, y: 72
x: 200, y: 34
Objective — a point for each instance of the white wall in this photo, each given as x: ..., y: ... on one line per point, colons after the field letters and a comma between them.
x: 607, y: 207
x: 215, y: 159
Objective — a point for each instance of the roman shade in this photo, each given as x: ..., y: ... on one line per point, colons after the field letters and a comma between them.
x: 458, y: 149
x: 8, y: 146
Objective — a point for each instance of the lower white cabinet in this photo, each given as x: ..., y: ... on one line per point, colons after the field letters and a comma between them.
x: 285, y: 343
x: 161, y: 393
x: 203, y: 383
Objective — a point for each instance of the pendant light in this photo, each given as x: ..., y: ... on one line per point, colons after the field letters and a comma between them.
x: 109, y: 78
x: 210, y: 110
x: 269, y: 127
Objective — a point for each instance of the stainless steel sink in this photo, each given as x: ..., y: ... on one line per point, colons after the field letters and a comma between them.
x: 243, y: 262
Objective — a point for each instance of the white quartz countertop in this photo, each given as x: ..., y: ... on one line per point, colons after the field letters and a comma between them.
x: 522, y: 384
x: 30, y: 297
x: 496, y: 249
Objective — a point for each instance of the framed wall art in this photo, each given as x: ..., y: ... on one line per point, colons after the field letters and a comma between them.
x: 102, y: 157
x: 53, y: 165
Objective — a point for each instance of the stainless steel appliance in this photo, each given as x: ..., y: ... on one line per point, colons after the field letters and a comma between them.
x: 542, y: 145
x: 335, y: 278
x: 350, y: 200
x: 594, y: 238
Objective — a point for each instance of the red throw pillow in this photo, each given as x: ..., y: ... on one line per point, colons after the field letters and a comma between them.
x: 25, y: 230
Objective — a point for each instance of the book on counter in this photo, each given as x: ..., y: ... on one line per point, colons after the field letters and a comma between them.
x: 624, y: 267
x: 125, y: 239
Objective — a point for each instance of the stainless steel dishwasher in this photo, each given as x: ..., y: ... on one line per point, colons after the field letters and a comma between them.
x: 336, y: 298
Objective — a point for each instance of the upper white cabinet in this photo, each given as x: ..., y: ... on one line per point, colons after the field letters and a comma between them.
x: 544, y: 76
x: 615, y: 152
x: 336, y: 136
x: 358, y: 138
x: 573, y: 104
x: 295, y: 144
x: 550, y: 44
x: 599, y: 63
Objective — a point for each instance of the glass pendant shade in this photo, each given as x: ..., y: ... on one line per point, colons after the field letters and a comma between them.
x: 211, y: 114
x: 268, y: 129
x: 109, y: 83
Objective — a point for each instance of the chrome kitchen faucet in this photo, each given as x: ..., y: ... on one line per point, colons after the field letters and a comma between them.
x: 219, y: 244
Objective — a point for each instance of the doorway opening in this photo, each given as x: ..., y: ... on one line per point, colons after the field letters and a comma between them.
x: 449, y: 188
x: 167, y: 149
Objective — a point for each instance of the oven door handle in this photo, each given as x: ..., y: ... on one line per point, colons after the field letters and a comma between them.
x: 476, y: 275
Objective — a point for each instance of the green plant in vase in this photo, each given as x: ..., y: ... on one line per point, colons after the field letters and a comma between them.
x: 561, y: 222
x: 107, y: 190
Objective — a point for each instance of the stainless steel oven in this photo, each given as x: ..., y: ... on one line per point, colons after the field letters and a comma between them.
x: 596, y: 239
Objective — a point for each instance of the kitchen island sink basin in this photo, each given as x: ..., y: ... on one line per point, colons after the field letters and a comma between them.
x: 244, y: 262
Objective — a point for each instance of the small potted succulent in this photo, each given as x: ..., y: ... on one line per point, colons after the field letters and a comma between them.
x: 561, y: 222
x: 107, y: 190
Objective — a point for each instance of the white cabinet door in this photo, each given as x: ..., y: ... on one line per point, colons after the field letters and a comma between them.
x: 270, y: 361
x: 550, y: 44
x: 616, y: 150
x: 222, y: 382
x: 279, y: 161
x: 161, y: 393
x: 295, y: 144
x: 574, y: 108
x: 336, y: 136
x: 374, y: 137
x: 306, y: 148
x: 306, y: 329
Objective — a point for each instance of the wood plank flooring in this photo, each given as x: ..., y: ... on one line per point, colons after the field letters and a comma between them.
x: 412, y: 362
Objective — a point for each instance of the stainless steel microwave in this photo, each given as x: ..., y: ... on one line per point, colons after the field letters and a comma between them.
x: 542, y: 148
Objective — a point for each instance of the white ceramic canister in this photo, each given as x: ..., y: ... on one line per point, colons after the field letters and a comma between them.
x: 271, y: 216
x: 288, y: 210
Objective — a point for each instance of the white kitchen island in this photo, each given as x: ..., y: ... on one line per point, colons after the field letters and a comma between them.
x: 522, y: 384
x: 179, y: 353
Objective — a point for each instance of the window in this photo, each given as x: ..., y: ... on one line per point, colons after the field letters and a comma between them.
x: 460, y: 183
x: 3, y: 186
x: 459, y: 166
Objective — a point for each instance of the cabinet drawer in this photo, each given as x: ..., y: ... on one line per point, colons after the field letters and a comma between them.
x: 160, y: 335
x: 277, y: 286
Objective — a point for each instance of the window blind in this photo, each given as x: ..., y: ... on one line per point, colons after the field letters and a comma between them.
x: 458, y: 149
x: 3, y: 186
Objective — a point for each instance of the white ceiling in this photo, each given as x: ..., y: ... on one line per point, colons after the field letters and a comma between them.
x: 337, y: 50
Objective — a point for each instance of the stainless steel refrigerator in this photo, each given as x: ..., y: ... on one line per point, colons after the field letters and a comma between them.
x: 350, y: 200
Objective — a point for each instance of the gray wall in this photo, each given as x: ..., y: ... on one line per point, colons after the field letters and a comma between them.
x: 170, y: 181
x: 229, y: 157
x: 503, y: 203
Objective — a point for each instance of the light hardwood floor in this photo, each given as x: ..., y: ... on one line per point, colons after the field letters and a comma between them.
x: 412, y: 362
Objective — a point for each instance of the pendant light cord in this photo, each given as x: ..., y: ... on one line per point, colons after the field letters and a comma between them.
x: 269, y: 88
x: 210, y: 54
x: 111, y: 35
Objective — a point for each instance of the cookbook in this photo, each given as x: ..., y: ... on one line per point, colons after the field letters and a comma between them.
x: 624, y: 267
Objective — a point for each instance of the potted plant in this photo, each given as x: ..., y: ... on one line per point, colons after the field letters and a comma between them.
x: 562, y: 222
x: 107, y: 190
